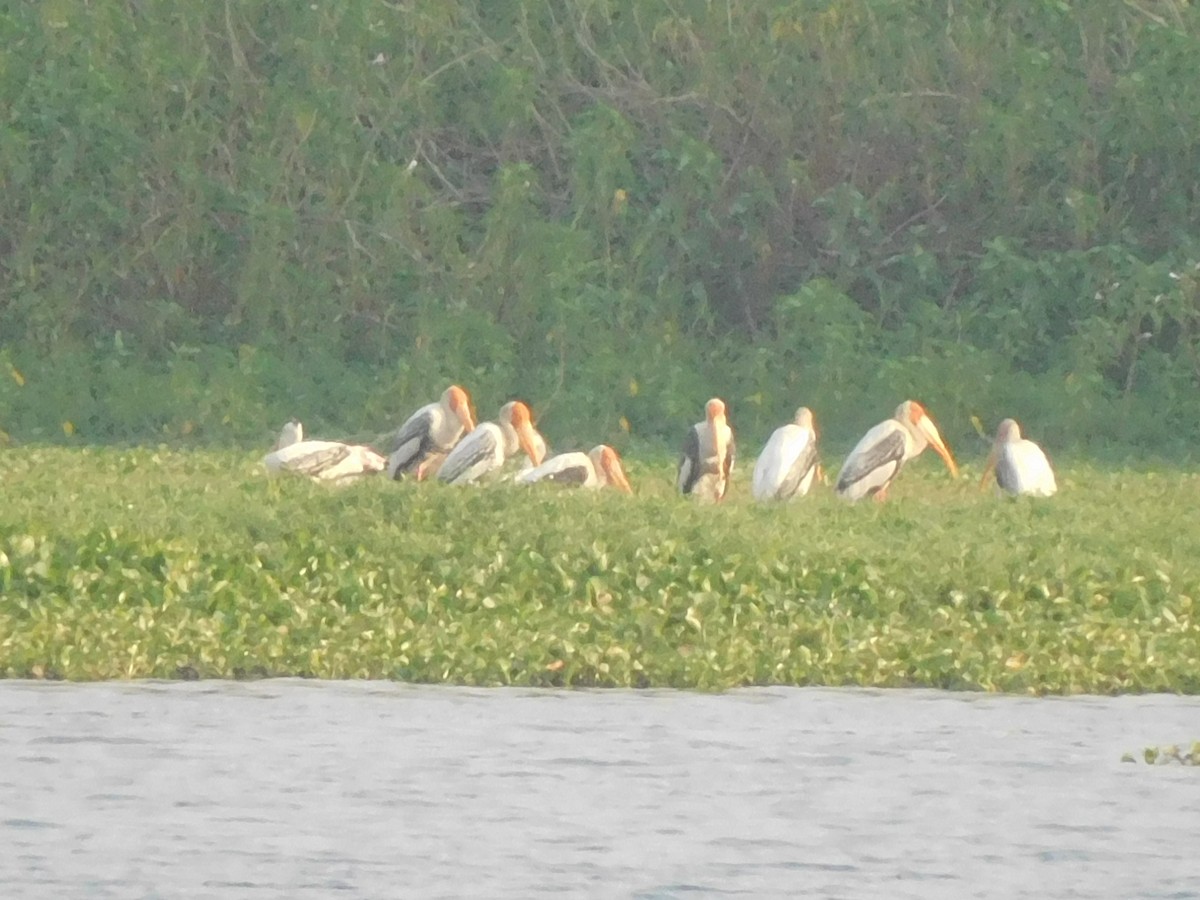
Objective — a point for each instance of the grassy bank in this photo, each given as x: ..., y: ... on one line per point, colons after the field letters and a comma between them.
x: 155, y: 563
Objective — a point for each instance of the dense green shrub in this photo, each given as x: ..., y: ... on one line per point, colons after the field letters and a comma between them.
x: 213, y: 215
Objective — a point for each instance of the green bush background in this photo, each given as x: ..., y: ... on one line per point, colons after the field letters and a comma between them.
x: 217, y: 215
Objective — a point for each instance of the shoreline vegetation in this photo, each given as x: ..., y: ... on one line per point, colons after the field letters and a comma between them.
x: 159, y: 563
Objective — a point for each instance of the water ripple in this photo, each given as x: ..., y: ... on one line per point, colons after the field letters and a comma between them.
x: 28, y: 823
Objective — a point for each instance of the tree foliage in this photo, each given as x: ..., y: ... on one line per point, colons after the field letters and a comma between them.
x: 615, y: 208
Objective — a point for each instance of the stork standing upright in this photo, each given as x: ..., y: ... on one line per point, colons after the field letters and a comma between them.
x: 708, y: 455
x: 331, y: 461
x: 788, y: 463
x: 485, y: 449
x: 598, y: 467
x: 1020, y: 465
x: 878, y: 458
x: 421, y: 444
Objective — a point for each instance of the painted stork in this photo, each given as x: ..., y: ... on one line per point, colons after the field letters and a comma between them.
x: 330, y: 461
x: 708, y: 455
x: 485, y: 449
x: 883, y: 451
x: 788, y: 463
x: 422, y: 443
x: 598, y: 467
x: 1020, y: 465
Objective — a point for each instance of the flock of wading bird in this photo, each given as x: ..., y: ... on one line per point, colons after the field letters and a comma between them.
x: 442, y: 440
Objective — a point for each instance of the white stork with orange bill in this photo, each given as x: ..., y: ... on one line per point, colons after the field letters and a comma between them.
x: 878, y: 458
x: 708, y: 455
x: 421, y: 444
x: 484, y: 450
x: 599, y: 467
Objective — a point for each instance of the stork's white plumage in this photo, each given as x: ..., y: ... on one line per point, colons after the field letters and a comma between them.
x: 1021, y: 466
x: 788, y: 463
x: 878, y: 458
x: 291, y: 433
x: 599, y: 467
x: 485, y: 449
x: 708, y: 455
x: 329, y: 461
x: 421, y: 444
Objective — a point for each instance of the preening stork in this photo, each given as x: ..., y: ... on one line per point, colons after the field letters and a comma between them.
x: 788, y: 463
x: 421, y: 444
x: 708, y: 455
x: 1020, y: 465
x: 883, y: 451
x: 598, y: 467
x: 485, y: 449
x: 331, y: 461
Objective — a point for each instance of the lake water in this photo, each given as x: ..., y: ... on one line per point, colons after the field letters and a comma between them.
x: 304, y: 789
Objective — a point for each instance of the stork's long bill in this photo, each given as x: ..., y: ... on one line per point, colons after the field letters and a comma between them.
x: 611, y: 463
x: 920, y: 419
x: 460, y: 404
x: 523, y: 425
x: 715, y: 411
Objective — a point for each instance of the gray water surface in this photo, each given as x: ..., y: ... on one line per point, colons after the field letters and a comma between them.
x: 305, y: 789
